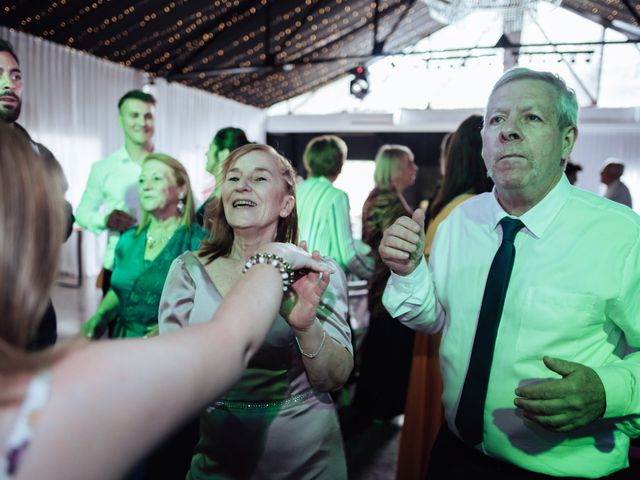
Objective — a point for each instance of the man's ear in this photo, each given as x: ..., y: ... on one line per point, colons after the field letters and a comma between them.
x: 569, y: 137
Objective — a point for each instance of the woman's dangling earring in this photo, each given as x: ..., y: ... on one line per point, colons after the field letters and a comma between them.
x: 180, y: 205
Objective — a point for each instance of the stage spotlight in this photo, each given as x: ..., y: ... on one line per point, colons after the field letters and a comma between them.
x: 360, y: 84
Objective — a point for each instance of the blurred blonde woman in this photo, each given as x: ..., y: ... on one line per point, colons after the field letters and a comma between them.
x: 386, y: 349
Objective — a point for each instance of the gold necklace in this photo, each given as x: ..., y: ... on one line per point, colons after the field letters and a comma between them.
x: 161, y: 237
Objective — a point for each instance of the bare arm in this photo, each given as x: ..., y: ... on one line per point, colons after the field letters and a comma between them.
x: 328, y: 363
x: 111, y: 402
x: 330, y: 369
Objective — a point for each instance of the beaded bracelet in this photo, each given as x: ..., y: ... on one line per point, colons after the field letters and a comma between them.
x: 317, y: 352
x: 278, y: 262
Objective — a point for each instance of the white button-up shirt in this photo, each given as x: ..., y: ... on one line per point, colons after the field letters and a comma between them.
x: 574, y: 294
x: 112, y: 185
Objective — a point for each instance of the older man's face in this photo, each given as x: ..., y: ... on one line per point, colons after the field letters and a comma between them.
x: 10, y: 88
x: 523, y: 147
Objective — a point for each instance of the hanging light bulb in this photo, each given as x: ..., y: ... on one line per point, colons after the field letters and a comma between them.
x: 359, y: 85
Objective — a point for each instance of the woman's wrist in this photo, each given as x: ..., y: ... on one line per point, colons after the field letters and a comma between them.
x: 272, y: 260
x: 314, y: 329
x: 311, y: 341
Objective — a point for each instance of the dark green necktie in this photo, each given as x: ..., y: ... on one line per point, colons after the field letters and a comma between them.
x: 469, y: 417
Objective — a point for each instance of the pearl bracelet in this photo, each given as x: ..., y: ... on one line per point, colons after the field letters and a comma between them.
x: 278, y: 262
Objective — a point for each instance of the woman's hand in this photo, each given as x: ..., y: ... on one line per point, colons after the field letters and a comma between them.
x: 91, y: 325
x: 299, y: 308
x: 297, y: 257
x: 152, y: 331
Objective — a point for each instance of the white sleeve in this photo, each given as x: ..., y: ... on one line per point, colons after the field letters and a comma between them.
x: 412, y: 299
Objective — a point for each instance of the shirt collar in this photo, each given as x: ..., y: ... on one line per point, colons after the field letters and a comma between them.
x: 538, y: 218
x: 322, y: 179
x: 122, y: 155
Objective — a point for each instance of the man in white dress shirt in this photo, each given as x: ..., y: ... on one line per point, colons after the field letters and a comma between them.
x: 562, y: 397
x: 110, y: 201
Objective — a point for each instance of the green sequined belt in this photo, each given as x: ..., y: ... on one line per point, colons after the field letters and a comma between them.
x: 258, y: 405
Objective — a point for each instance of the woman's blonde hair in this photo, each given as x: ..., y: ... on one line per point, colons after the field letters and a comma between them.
x: 389, y: 164
x: 188, y: 214
x: 221, y: 235
x: 32, y: 230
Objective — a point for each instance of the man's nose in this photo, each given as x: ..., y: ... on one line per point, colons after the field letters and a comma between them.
x: 510, y: 131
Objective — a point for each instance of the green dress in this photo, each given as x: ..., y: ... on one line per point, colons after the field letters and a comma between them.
x: 138, y: 282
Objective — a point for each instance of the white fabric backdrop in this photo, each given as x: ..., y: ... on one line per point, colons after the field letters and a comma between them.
x: 70, y: 105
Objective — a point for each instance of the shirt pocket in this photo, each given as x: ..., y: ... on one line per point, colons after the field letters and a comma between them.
x: 558, y: 323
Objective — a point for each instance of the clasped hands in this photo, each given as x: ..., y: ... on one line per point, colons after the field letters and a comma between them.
x: 299, y: 308
x: 120, y: 220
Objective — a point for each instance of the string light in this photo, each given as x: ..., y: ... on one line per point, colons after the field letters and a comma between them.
x: 183, y: 37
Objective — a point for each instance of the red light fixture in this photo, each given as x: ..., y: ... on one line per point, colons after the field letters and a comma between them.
x: 359, y: 86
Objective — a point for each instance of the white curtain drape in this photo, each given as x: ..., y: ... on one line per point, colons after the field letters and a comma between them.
x: 70, y: 105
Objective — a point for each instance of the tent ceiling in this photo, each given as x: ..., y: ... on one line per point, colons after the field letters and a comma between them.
x: 255, y: 52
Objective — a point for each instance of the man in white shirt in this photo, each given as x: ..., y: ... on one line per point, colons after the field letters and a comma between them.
x: 110, y: 201
x: 610, y: 174
x: 562, y: 397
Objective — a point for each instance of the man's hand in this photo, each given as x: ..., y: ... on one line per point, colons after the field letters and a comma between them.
x: 402, y: 245
x: 120, y: 221
x: 566, y: 404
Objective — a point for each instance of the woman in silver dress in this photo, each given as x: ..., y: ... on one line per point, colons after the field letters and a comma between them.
x: 279, y: 420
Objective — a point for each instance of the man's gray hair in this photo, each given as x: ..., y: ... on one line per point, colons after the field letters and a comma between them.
x: 566, y: 104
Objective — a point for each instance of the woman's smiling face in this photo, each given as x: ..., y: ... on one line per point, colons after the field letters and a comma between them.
x: 255, y: 193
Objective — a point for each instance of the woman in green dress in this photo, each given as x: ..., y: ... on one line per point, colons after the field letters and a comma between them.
x: 142, y: 259
x: 144, y: 253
